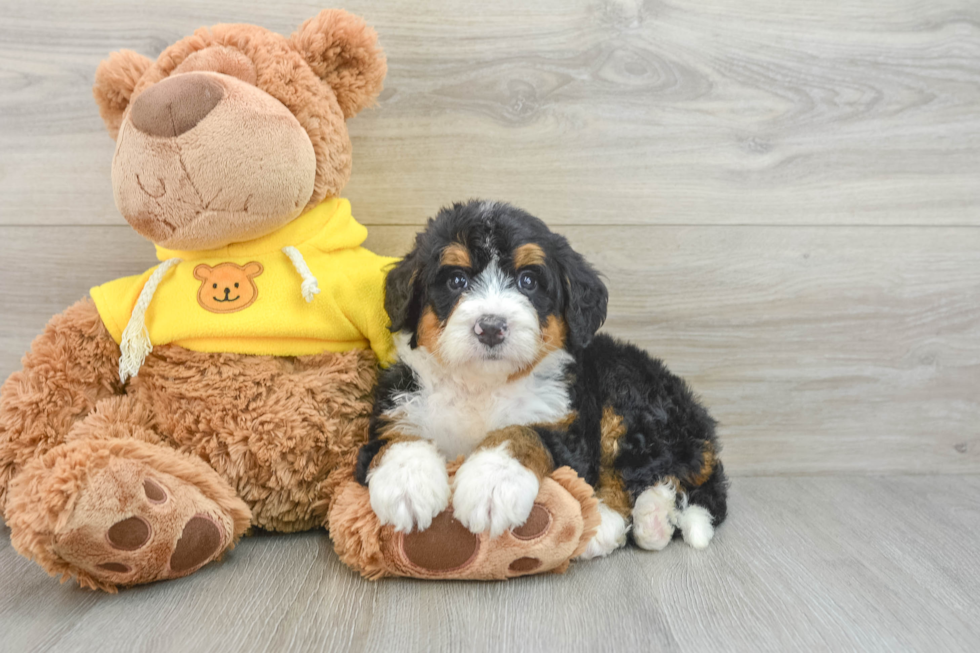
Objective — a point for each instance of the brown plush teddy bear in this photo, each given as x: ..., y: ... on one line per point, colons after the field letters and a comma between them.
x: 230, y: 385
x: 121, y: 466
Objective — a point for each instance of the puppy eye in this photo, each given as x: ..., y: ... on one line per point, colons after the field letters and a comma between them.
x: 457, y: 281
x: 527, y: 281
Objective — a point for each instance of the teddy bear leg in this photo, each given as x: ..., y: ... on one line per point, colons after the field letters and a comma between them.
x: 71, y: 366
x: 119, y: 512
x: 563, y: 520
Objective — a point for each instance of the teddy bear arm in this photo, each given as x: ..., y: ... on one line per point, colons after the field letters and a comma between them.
x: 70, y: 367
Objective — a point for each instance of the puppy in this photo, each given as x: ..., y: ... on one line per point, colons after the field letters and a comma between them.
x: 495, y: 319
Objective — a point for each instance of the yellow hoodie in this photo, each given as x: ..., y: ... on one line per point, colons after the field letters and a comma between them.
x: 307, y: 288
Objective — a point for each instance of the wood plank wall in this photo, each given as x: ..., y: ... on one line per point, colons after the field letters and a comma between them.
x: 784, y: 197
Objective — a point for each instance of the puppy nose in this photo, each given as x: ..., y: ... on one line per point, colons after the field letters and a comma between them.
x: 175, y: 105
x: 490, y: 330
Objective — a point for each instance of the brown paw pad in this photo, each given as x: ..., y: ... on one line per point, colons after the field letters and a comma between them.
x: 129, y: 534
x: 536, y: 525
x: 524, y: 565
x: 115, y: 567
x: 198, y: 543
x: 444, y: 546
x: 154, y: 491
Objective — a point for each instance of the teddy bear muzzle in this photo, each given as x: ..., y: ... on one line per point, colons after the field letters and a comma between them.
x: 204, y: 159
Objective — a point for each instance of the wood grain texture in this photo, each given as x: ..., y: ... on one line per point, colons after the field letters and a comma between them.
x: 815, y: 564
x: 596, y: 111
x: 820, y: 350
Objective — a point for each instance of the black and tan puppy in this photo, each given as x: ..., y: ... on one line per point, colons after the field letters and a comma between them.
x: 496, y: 321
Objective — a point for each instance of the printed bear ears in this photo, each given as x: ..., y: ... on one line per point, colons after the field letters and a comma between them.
x: 340, y: 48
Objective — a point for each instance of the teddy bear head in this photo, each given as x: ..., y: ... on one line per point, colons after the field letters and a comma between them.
x: 235, y: 131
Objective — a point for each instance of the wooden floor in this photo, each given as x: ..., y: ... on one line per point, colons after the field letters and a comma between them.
x: 784, y: 198
x: 807, y: 564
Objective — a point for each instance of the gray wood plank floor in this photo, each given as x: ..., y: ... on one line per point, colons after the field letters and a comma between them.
x: 810, y: 564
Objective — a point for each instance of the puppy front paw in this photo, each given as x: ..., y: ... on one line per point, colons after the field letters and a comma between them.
x: 493, y: 491
x: 409, y: 486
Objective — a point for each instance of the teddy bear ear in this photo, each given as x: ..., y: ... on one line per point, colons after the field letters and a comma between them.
x: 343, y: 50
x: 115, y: 79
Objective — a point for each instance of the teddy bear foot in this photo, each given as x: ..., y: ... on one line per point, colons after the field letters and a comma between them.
x: 119, y: 513
x: 563, y: 520
x: 449, y: 549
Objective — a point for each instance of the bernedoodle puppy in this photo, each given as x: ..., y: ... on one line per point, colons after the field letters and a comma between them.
x: 495, y: 319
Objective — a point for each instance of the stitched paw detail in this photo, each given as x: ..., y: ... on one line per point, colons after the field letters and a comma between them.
x: 132, y: 525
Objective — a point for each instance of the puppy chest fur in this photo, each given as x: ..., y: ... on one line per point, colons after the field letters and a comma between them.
x: 456, y: 410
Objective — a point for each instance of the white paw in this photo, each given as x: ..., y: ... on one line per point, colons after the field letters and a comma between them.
x: 654, y: 515
x: 610, y: 536
x: 493, y: 491
x: 695, y: 524
x: 409, y: 486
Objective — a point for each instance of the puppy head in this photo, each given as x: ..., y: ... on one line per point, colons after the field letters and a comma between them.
x: 489, y: 286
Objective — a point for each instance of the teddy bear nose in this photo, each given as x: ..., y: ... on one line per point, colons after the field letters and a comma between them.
x: 175, y: 105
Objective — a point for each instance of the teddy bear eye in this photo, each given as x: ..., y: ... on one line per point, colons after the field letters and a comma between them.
x: 214, y: 285
x: 236, y: 284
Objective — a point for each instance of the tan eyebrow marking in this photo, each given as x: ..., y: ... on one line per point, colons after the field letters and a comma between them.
x: 456, y: 255
x: 528, y: 254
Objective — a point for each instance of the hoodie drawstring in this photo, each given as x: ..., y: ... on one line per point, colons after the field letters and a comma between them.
x: 310, y: 287
x: 135, y: 345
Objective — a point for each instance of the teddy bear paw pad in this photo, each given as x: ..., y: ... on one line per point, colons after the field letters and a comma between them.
x: 129, y: 534
x: 446, y: 545
x: 537, y: 524
x: 199, y: 542
x: 524, y: 565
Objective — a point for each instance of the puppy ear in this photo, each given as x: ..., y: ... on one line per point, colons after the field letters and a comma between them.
x: 403, y: 292
x: 344, y: 52
x: 586, y: 298
x: 115, y: 79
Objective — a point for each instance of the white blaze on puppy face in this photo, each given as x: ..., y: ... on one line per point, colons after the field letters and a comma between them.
x: 491, y: 293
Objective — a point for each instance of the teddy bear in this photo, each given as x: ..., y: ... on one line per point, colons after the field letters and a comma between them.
x: 230, y: 386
